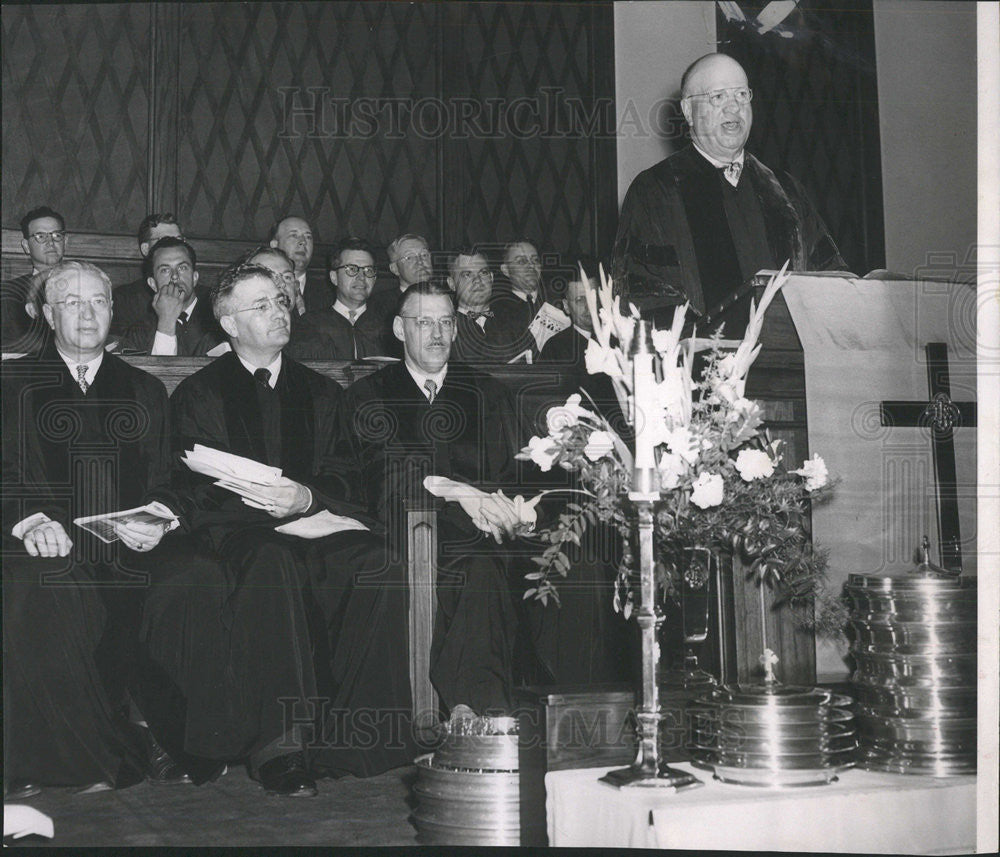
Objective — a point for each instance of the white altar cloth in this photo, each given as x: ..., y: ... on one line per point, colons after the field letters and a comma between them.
x: 861, y: 812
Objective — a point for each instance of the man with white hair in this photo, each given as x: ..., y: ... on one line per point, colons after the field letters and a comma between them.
x: 699, y: 224
x: 84, y: 433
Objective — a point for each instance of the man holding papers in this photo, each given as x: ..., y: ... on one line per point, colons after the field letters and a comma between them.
x: 297, y: 636
x: 84, y: 433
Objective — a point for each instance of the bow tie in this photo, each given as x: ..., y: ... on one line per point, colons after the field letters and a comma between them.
x: 481, y: 313
x: 732, y: 172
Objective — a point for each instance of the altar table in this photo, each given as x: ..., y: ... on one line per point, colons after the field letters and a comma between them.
x: 861, y: 812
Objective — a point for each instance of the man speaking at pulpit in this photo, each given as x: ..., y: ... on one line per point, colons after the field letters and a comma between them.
x: 699, y: 224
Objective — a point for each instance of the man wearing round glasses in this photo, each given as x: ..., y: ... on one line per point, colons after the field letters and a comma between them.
x: 411, y: 262
x: 698, y: 225
x: 349, y: 329
x: 44, y: 243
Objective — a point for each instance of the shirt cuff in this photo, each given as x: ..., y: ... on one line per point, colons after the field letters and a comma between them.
x: 164, y: 345
x: 29, y: 523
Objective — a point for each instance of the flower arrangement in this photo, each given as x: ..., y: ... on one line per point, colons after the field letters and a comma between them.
x: 723, y: 483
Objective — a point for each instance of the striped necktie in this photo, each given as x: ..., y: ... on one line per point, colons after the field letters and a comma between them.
x: 431, y: 388
x: 81, y: 377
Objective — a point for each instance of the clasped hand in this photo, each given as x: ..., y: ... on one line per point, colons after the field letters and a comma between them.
x: 499, y: 515
x: 284, y: 497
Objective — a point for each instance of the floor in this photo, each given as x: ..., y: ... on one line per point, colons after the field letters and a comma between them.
x: 233, y: 811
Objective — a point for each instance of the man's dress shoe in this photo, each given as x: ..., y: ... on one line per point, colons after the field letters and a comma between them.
x: 20, y: 789
x: 287, y: 776
x: 162, y: 770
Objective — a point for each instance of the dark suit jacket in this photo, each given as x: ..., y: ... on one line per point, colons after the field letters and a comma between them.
x: 382, y: 305
x: 654, y: 256
x: 470, y: 433
x: 218, y: 406
x: 324, y: 334
x: 135, y: 317
x: 514, y: 316
x: 19, y: 333
x: 488, y: 345
x: 319, y: 293
x: 50, y: 428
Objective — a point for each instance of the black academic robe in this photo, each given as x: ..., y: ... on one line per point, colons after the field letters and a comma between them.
x: 288, y: 621
x: 470, y: 433
x: 488, y: 345
x: 382, y: 304
x: 325, y: 334
x: 133, y: 315
x: 685, y: 234
x: 69, y: 623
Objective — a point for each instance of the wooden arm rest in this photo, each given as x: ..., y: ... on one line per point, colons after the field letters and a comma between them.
x: 421, y: 574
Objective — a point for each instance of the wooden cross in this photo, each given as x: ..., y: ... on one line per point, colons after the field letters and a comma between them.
x: 942, y: 416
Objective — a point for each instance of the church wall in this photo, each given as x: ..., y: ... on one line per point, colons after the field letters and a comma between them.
x: 654, y: 43
x: 926, y: 55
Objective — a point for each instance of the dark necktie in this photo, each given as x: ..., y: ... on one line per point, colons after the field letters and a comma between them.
x: 81, y: 377
x: 263, y: 377
x: 431, y: 388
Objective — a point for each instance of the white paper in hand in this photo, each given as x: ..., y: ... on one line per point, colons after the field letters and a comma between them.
x: 321, y: 524
x: 548, y: 321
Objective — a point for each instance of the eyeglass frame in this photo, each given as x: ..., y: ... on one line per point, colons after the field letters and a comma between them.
x: 358, y: 269
x: 263, y: 305
x: 723, y: 93
x: 447, y: 323
x: 57, y: 236
x: 76, y: 307
x: 424, y: 254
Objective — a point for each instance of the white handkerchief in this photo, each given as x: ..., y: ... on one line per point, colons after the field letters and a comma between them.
x: 20, y: 820
x: 321, y: 524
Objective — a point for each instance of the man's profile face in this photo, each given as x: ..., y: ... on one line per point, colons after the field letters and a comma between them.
x: 353, y: 289
x: 576, y: 303
x: 256, y: 316
x: 161, y: 230
x: 173, y: 265
x: 472, y: 280
x: 295, y: 237
x: 720, y: 131
x: 426, y: 329
x: 523, y: 267
x: 78, y: 309
x: 285, y: 271
x: 50, y: 249
x: 412, y: 263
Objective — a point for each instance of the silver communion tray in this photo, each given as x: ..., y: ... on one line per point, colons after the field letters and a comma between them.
x: 772, y: 735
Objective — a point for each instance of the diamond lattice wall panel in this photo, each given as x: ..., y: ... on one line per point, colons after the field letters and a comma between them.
x: 524, y: 161
x: 306, y: 108
x: 75, y: 113
x: 816, y: 114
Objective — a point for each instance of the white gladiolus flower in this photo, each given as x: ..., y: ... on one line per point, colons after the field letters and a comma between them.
x: 543, y: 451
x: 564, y: 416
x: 670, y: 469
x: 814, y: 472
x: 600, y: 444
x: 706, y: 491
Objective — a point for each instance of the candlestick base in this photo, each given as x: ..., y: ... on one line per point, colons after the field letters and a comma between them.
x: 640, y: 776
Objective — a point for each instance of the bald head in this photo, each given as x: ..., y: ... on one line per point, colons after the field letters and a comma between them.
x: 715, y: 99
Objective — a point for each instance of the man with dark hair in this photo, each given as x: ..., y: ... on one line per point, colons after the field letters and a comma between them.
x: 348, y: 330
x: 426, y: 416
x: 295, y: 640
x: 44, y: 242
x: 175, y: 317
x: 483, y: 335
x: 132, y: 299
x: 295, y: 237
x: 70, y: 601
x: 699, y: 224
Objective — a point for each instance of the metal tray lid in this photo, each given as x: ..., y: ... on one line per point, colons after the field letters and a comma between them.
x: 770, y: 695
x: 907, y: 579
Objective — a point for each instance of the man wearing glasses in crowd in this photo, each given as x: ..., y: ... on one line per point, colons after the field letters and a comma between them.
x: 44, y: 243
x: 410, y: 261
x: 699, y: 224
x: 348, y: 330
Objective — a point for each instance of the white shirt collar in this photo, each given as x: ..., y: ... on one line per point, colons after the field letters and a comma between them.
x: 715, y: 162
x: 92, y: 366
x: 189, y: 309
x: 346, y: 311
x: 274, y: 368
x: 584, y: 333
x: 420, y: 377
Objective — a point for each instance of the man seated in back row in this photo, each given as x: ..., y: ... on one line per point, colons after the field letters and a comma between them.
x: 410, y: 261
x: 350, y: 329
x: 132, y: 299
x: 175, y: 318
x: 294, y: 236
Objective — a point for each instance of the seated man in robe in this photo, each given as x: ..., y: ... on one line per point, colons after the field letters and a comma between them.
x: 483, y: 335
x: 429, y: 416
x: 521, y: 291
x: 699, y: 224
x: 133, y: 298
x: 290, y: 645
x: 44, y: 241
x: 84, y: 433
x: 350, y: 329
x: 175, y: 316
